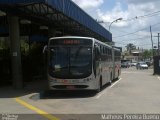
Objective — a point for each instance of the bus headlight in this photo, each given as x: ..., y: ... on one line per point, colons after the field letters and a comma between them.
x: 53, y: 80
x: 87, y: 79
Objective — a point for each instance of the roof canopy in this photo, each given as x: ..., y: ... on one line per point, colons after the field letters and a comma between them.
x: 63, y: 15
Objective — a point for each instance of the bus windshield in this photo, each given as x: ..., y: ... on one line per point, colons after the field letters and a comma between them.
x: 70, y: 62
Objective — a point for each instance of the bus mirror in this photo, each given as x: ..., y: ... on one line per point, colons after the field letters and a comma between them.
x: 45, y: 49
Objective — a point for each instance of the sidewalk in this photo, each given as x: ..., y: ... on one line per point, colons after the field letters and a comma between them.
x: 35, y: 86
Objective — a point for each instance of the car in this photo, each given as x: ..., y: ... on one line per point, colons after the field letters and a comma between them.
x: 133, y: 63
x: 125, y: 65
x: 142, y: 65
x: 148, y: 63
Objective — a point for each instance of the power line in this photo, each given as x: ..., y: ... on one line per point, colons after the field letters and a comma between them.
x: 135, y: 31
x: 135, y: 38
x: 146, y: 44
x: 143, y: 16
x: 138, y: 17
x: 126, y: 32
x: 130, y: 33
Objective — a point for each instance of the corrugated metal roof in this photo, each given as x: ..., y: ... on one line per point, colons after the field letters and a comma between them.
x: 38, y: 38
x: 71, y: 10
x: 11, y: 2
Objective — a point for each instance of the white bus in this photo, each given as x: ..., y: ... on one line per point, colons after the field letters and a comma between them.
x: 81, y: 63
x: 116, y: 62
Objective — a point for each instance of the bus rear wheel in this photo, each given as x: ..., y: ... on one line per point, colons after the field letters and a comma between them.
x: 99, y: 86
x: 110, y: 82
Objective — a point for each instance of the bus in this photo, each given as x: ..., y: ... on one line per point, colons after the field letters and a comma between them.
x: 116, y: 62
x: 81, y: 63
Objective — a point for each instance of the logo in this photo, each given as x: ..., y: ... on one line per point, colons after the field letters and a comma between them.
x: 9, y: 117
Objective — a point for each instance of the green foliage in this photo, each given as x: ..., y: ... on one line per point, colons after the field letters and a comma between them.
x: 130, y: 47
x: 147, y: 54
x: 24, y: 48
x: 33, y: 62
x: 3, y: 43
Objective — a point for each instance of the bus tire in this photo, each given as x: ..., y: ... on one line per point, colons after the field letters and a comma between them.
x: 99, y: 86
x: 118, y: 75
x: 110, y: 82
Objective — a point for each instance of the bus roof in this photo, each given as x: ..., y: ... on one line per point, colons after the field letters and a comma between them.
x: 95, y: 40
x: 103, y: 43
x: 71, y: 37
x: 117, y: 49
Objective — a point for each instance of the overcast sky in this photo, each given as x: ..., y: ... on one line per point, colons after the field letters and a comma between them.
x: 137, y: 16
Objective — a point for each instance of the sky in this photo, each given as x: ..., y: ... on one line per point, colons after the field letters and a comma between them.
x: 137, y: 17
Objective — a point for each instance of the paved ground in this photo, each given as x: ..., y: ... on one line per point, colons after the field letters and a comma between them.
x: 136, y: 92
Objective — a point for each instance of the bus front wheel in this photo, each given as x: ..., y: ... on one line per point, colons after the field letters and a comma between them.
x: 99, y: 86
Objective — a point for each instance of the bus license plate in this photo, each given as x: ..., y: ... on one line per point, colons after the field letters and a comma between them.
x: 70, y: 87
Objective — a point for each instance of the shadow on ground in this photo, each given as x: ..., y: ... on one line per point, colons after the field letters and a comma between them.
x: 38, y: 89
x: 7, y: 91
x: 67, y: 94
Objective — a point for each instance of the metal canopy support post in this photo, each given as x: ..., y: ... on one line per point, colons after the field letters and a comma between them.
x: 113, y: 59
x: 158, y: 51
x: 14, y: 36
x: 158, y: 45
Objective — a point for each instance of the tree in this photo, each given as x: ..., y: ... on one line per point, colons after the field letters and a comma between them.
x: 147, y: 54
x: 130, y: 47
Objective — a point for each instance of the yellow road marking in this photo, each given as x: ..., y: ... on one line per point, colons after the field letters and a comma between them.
x: 41, y: 112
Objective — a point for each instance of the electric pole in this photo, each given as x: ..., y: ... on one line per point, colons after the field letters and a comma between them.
x: 151, y: 41
x: 158, y: 44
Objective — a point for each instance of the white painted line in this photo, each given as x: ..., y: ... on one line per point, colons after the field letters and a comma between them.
x: 115, y: 83
x: 101, y: 93
x: 105, y: 90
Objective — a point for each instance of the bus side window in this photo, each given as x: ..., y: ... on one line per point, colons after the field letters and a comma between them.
x: 96, y: 58
x: 97, y: 53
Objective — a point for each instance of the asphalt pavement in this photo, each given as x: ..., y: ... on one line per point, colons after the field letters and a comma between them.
x: 136, y: 92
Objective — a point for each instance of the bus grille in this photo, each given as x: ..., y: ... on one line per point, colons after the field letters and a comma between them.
x: 65, y: 86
